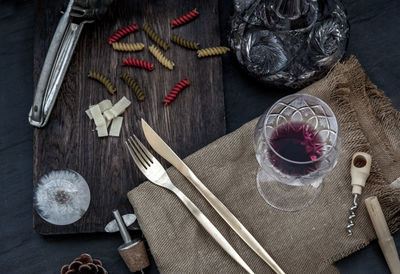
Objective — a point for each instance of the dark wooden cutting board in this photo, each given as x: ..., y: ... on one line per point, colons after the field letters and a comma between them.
x: 68, y: 141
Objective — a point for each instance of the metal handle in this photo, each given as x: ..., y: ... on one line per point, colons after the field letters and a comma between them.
x: 122, y: 227
x: 210, y: 228
x: 54, y: 68
x: 35, y: 115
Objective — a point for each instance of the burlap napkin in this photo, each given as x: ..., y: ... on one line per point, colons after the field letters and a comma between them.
x: 307, y: 241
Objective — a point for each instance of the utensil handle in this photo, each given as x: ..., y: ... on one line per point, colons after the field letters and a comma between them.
x: 385, y: 239
x: 55, y: 66
x: 232, y: 221
x: 210, y: 228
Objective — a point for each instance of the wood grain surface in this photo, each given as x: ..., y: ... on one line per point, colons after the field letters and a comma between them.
x: 69, y: 141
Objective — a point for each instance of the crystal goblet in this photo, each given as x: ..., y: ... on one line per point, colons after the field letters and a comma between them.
x: 296, y: 143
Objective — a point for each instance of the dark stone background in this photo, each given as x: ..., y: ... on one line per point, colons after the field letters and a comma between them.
x: 374, y: 39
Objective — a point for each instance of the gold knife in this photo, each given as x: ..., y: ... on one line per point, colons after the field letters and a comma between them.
x: 168, y: 154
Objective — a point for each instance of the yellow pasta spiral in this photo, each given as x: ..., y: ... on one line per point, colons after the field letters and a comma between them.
x: 127, y: 46
x: 133, y: 85
x: 212, y: 51
x: 183, y: 42
x: 161, y: 58
x: 104, y: 80
x: 155, y: 37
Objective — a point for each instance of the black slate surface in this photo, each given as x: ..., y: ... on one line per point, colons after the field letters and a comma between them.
x: 375, y: 26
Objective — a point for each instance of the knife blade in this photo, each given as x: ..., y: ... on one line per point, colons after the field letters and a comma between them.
x: 168, y: 154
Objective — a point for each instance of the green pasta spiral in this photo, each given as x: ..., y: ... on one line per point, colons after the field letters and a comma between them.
x: 104, y: 80
x: 212, y: 51
x: 184, y: 43
x: 155, y: 37
x: 134, y: 86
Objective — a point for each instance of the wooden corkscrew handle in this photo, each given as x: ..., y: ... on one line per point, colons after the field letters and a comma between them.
x: 385, y: 239
x: 360, y: 168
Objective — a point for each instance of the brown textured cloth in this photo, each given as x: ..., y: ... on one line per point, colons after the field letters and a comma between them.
x: 307, y: 241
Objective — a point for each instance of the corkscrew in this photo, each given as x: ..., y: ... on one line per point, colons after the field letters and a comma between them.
x: 360, y: 168
x: 58, y: 57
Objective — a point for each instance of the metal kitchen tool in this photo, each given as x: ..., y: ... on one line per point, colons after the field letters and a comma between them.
x: 112, y: 226
x: 360, y: 168
x: 153, y: 170
x: 132, y: 251
x: 65, y: 38
x: 168, y: 154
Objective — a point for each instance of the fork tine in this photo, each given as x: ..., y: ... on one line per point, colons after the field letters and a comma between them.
x: 141, y: 155
x: 138, y: 157
x: 133, y: 155
x: 144, y: 149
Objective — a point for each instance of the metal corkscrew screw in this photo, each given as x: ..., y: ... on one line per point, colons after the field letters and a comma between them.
x: 360, y: 169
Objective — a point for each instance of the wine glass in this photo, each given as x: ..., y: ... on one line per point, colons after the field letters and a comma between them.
x: 296, y: 143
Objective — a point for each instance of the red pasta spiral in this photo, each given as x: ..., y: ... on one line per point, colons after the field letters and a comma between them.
x: 122, y: 32
x: 191, y: 15
x: 174, y: 92
x: 138, y: 63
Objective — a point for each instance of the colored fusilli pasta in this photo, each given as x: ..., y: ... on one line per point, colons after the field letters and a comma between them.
x: 133, y: 85
x: 127, y: 46
x: 104, y: 80
x: 191, y: 15
x: 212, y: 51
x: 155, y: 37
x: 175, y: 91
x: 137, y: 63
x: 161, y: 58
x: 122, y: 32
x: 183, y: 42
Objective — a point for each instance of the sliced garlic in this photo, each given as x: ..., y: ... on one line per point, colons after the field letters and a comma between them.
x: 97, y: 116
x: 108, y: 115
x: 120, y: 107
x: 104, y: 114
x: 89, y: 114
x: 116, y: 125
x: 102, y: 131
x: 108, y: 122
x: 105, y: 105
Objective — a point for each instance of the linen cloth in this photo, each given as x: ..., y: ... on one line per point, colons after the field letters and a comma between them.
x: 306, y: 241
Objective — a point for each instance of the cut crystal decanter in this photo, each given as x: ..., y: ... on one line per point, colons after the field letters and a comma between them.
x: 288, y: 43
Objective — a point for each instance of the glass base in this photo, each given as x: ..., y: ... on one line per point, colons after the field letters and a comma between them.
x: 286, y: 197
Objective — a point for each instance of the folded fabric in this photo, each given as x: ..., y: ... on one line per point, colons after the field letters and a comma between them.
x: 307, y: 241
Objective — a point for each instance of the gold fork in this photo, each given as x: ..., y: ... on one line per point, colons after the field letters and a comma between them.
x: 155, y: 173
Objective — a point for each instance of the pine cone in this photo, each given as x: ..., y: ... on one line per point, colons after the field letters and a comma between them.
x: 84, y: 265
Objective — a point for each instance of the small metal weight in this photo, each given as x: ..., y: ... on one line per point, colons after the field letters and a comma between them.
x: 112, y: 226
x: 133, y: 252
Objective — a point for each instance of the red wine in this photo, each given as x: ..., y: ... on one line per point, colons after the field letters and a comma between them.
x: 295, y: 141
